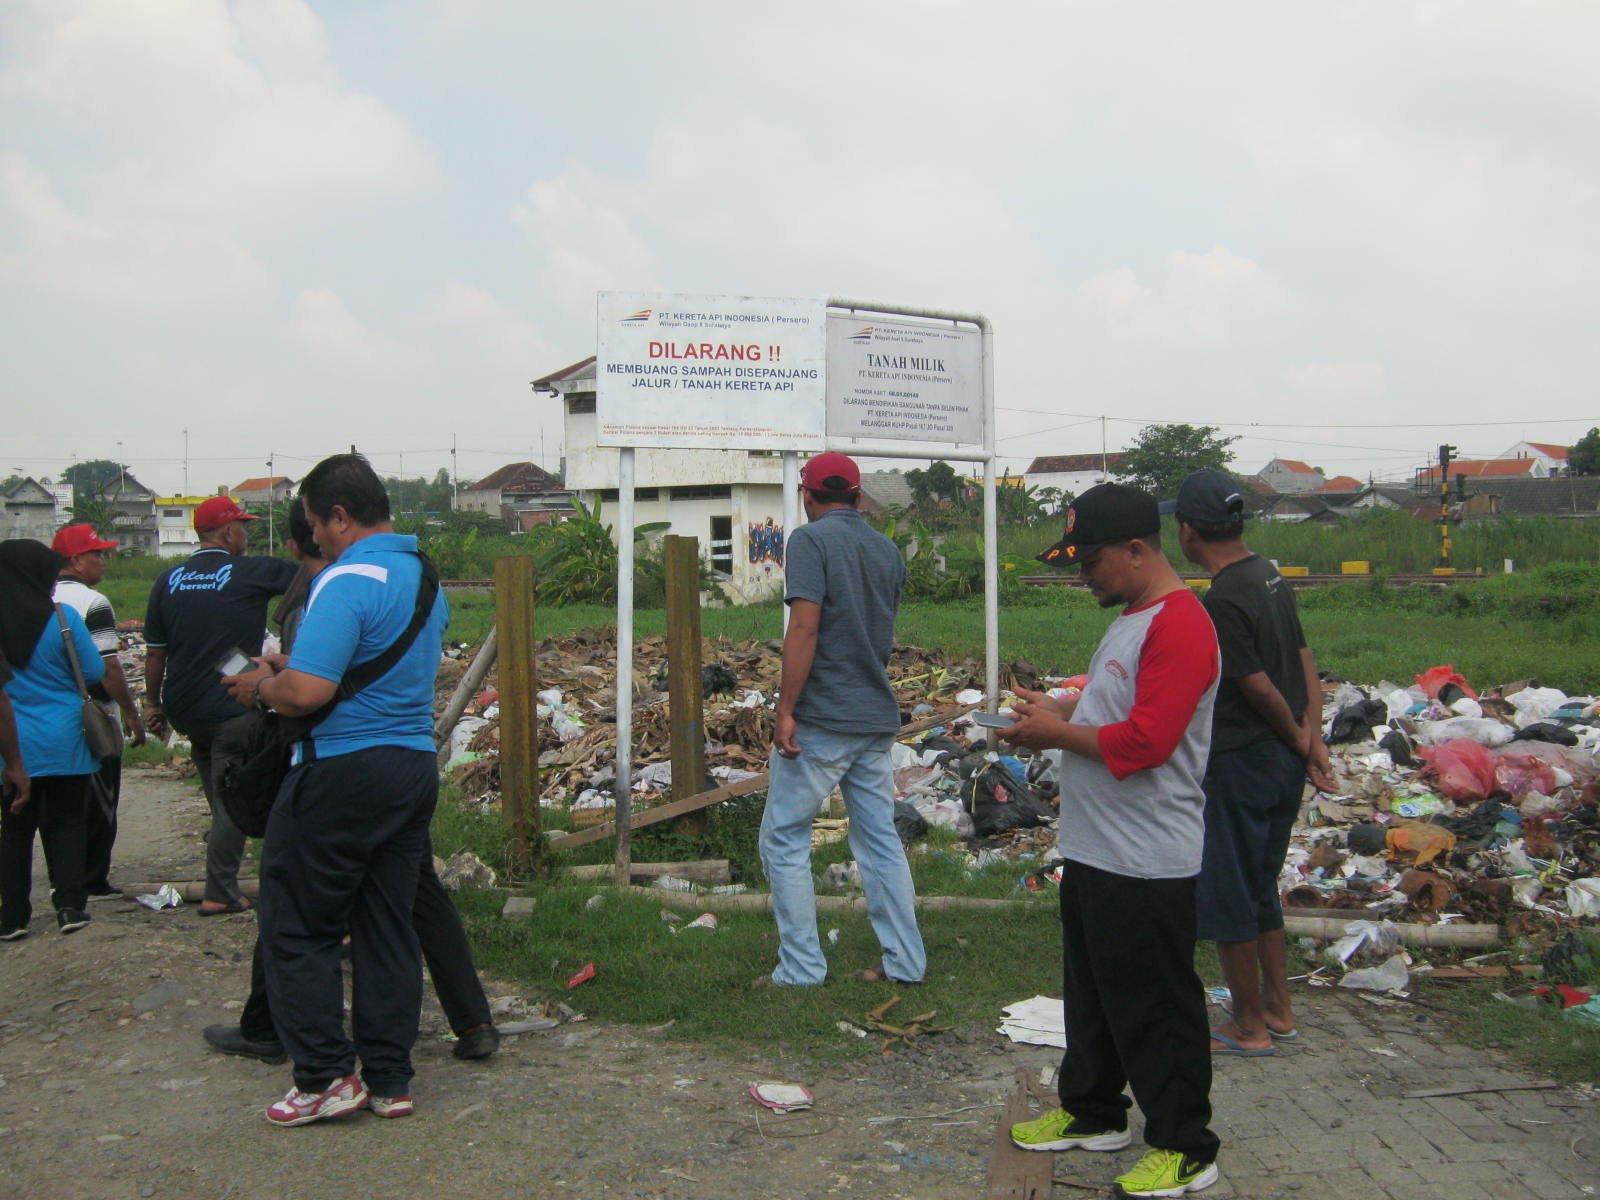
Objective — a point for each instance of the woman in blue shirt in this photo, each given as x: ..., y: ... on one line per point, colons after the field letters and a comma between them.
x: 49, y: 712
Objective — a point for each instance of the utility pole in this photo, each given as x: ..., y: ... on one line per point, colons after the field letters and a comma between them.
x: 455, y: 475
x: 1445, y: 454
x: 272, y: 542
x: 185, y: 462
x: 1104, y: 472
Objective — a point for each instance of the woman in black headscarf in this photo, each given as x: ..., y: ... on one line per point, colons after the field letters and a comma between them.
x: 49, y: 714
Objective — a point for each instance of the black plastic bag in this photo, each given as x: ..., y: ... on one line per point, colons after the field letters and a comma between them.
x: 998, y: 801
x: 1354, y: 722
x: 908, y: 822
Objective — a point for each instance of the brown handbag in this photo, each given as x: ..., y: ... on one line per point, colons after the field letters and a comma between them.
x: 101, y: 730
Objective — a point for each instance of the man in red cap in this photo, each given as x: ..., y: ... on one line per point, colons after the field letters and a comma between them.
x: 85, y: 567
x: 212, y: 604
x: 837, y: 718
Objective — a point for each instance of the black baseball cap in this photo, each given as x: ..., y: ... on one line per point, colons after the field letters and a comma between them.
x: 1211, y: 497
x: 1110, y: 512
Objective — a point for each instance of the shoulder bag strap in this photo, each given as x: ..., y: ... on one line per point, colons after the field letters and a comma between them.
x: 72, y: 652
x: 374, y: 669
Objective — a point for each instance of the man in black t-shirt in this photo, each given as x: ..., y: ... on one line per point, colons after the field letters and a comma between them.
x: 213, y: 602
x: 1266, y: 740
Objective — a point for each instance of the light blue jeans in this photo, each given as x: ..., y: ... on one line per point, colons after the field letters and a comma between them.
x: 859, y: 765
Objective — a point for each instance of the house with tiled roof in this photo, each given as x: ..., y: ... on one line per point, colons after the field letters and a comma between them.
x: 1340, y: 484
x: 1568, y: 496
x: 523, y: 493
x: 1486, y: 468
x: 731, y: 500
x: 31, y: 510
x: 1553, y: 457
x: 1072, y: 474
x: 265, y: 489
x: 1290, y: 476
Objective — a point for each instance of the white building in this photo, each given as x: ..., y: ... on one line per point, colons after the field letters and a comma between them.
x: 1072, y: 474
x: 732, y: 500
x: 1288, y: 476
x: 175, y: 524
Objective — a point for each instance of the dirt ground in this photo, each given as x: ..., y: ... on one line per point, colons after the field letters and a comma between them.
x: 108, y: 1092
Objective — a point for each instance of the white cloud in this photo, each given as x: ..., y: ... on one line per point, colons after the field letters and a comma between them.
x: 322, y: 326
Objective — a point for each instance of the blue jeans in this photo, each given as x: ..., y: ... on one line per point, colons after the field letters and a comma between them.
x: 859, y: 765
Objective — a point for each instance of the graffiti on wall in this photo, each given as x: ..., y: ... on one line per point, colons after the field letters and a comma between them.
x: 766, y: 544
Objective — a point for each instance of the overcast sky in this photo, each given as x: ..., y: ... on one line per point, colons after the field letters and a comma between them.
x: 1346, y: 231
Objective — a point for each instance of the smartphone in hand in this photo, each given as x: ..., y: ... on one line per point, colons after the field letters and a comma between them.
x: 998, y: 721
x: 233, y: 662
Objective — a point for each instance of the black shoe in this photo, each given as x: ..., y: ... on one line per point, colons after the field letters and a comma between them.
x: 70, y: 920
x: 13, y: 933
x: 230, y: 1039
x: 478, y: 1042
x: 105, y: 892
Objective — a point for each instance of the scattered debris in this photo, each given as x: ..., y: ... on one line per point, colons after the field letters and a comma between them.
x: 782, y: 1097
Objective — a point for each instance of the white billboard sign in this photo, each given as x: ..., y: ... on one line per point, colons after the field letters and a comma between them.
x: 718, y: 372
x: 904, y: 380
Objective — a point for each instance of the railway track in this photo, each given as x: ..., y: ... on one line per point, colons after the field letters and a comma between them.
x: 1296, y: 581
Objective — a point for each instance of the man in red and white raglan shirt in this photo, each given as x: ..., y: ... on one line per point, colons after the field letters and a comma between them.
x: 1134, y: 746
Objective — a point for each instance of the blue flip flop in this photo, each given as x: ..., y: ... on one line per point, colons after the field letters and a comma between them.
x: 1237, y: 1051
x: 1287, y: 1035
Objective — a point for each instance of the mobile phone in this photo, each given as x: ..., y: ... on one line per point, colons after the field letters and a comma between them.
x: 998, y: 721
x: 233, y: 662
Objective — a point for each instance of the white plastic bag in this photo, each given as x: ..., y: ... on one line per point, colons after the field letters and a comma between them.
x: 1389, y: 976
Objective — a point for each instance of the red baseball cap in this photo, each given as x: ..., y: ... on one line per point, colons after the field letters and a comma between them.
x: 217, y: 512
x: 830, y: 472
x: 79, y: 539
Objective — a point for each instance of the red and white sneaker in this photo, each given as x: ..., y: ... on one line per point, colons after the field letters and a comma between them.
x: 391, y: 1106
x: 301, y: 1108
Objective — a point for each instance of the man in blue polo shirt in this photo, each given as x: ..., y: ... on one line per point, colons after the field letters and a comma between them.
x: 344, y: 843
x: 214, y: 602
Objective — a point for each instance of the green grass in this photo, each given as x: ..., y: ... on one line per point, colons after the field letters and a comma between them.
x: 1547, y: 1043
x: 699, y: 979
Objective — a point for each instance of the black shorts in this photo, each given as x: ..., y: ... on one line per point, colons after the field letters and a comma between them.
x: 1252, y: 799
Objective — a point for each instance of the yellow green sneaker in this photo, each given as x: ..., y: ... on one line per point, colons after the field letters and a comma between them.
x: 1165, y: 1173
x: 1058, y: 1130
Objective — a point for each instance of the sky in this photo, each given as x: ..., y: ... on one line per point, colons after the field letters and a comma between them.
x: 235, y: 233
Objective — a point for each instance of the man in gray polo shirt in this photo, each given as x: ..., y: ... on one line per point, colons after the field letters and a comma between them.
x: 836, y: 720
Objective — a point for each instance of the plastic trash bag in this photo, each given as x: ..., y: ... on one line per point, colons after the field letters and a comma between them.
x: 998, y: 801
x: 1434, y: 678
x: 1519, y: 774
x: 1463, y: 768
x: 1390, y: 976
x: 1486, y: 731
x: 1421, y: 838
x: 908, y: 822
x: 1583, y: 897
x: 1365, y: 941
x: 1535, y: 704
x: 1354, y: 722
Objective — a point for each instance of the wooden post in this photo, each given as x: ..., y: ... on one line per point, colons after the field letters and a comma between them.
x: 685, y: 705
x: 519, y: 735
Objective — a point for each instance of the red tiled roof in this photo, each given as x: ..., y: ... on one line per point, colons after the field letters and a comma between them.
x: 262, y: 484
x: 1551, y: 451
x: 1295, y: 465
x: 1482, y: 468
x: 1341, y: 483
x: 1061, y: 464
x: 518, y: 478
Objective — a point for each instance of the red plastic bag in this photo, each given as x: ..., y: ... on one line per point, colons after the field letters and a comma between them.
x: 1434, y: 678
x: 1464, y: 769
x: 1520, y: 774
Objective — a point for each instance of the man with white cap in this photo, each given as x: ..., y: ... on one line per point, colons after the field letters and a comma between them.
x: 210, y: 605
x: 837, y: 718
x: 85, y: 567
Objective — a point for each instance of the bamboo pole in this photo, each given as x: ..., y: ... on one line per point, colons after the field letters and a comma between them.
x: 477, y: 672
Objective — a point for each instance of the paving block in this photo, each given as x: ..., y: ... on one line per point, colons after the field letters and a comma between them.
x: 517, y: 908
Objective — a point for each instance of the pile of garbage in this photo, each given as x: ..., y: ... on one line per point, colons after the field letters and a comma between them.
x: 1455, y: 805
